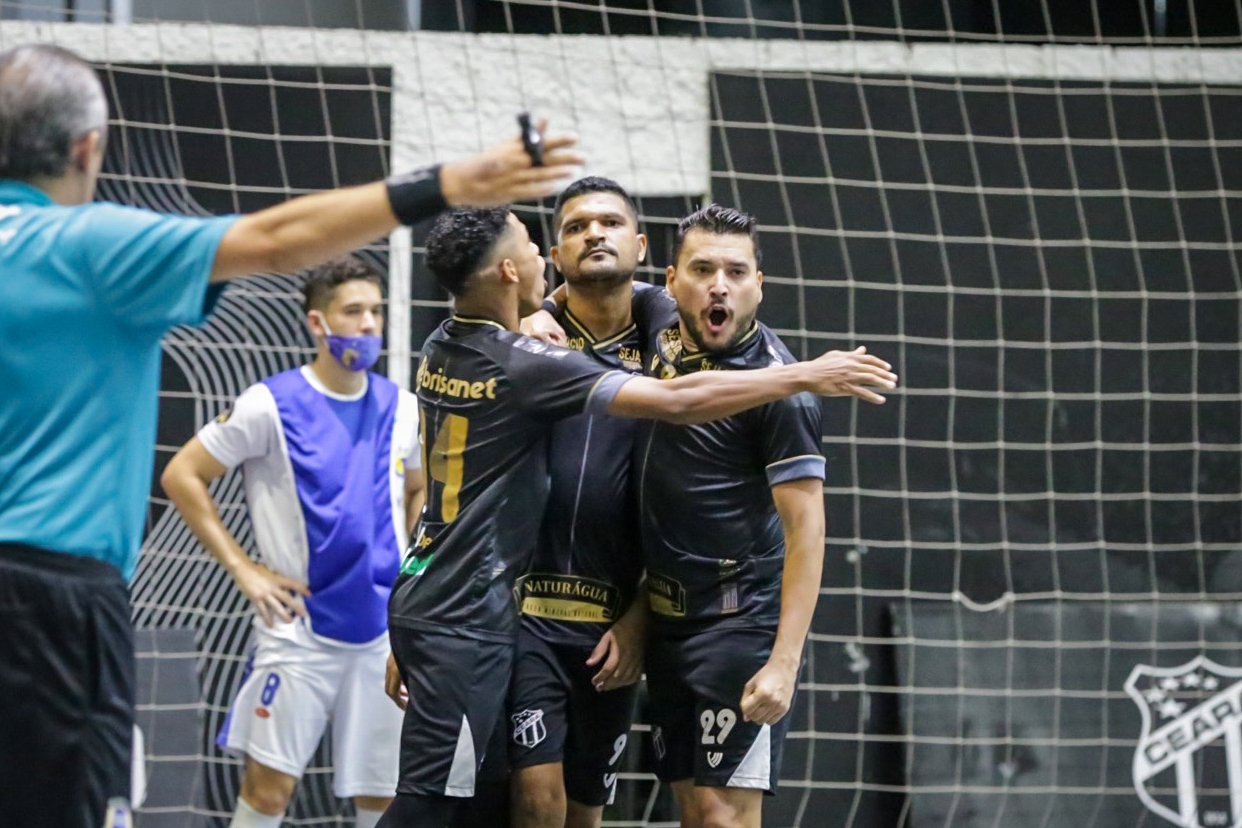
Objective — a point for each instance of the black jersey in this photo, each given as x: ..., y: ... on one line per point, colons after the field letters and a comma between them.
x: 588, y: 559
x: 712, y: 540
x: 488, y: 398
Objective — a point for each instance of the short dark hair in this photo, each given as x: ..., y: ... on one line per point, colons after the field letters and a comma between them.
x: 321, y: 287
x: 49, y: 98
x: 590, y: 184
x: 460, y: 241
x: 722, y: 221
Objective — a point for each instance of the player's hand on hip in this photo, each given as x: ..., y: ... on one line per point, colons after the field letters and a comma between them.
x: 543, y: 326
x: 769, y: 693
x: 847, y: 373
x: 274, y: 596
x: 504, y: 173
x: 394, y: 687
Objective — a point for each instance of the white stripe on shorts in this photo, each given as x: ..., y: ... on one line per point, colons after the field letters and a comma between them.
x: 461, y: 774
x: 755, y: 770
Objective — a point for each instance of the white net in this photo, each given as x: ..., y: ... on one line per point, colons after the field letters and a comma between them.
x: 1043, y: 238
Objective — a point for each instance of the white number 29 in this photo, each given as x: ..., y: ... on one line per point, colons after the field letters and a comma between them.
x: 722, y: 719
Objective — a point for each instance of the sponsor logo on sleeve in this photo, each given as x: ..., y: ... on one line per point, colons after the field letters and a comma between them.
x: 534, y: 346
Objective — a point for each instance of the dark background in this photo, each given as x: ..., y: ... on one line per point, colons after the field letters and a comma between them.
x: 1066, y: 20
x: 1054, y: 497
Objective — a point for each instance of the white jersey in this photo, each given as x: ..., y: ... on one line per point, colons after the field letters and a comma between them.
x: 325, y: 486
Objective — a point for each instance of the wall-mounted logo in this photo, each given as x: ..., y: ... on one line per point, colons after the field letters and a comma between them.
x: 1188, y: 762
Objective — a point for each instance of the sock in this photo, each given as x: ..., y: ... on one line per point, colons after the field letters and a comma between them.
x: 244, y: 816
x: 366, y: 819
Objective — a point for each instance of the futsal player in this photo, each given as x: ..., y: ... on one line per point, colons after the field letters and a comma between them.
x: 732, y: 518
x: 333, y: 486
x: 580, y: 643
x: 488, y: 399
x: 87, y: 291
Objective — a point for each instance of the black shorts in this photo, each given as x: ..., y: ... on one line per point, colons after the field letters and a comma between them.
x: 66, y: 689
x: 694, y: 685
x: 556, y: 715
x: 456, y: 686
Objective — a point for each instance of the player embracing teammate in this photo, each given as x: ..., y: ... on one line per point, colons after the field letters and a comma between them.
x: 489, y: 399
x: 732, y: 528
x: 555, y: 510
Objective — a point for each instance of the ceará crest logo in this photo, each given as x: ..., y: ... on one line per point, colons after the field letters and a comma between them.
x: 1188, y: 762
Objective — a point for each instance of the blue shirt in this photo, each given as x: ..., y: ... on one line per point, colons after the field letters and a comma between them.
x: 86, y: 293
x: 347, y: 491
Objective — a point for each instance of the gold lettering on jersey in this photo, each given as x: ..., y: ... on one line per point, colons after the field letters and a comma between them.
x: 437, y: 382
x: 576, y: 343
x: 567, y: 598
x: 630, y: 358
x: 666, y: 595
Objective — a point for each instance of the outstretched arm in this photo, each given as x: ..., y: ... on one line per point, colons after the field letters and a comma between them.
x: 710, y: 395
x: 311, y: 229
x: 800, y: 504
x: 185, y: 479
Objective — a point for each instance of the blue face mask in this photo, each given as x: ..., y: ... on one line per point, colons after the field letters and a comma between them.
x: 355, y: 353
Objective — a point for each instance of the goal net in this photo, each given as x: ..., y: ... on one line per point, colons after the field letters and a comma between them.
x: 1029, y: 613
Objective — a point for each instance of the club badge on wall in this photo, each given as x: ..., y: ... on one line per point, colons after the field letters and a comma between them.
x: 1188, y: 761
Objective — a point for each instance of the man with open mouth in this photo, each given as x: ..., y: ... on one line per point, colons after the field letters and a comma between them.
x: 732, y: 523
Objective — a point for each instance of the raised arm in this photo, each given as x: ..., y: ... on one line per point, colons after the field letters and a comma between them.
x: 311, y: 229
x: 710, y: 395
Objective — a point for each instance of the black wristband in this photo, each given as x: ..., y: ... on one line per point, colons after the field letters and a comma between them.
x: 549, y: 305
x: 415, y: 196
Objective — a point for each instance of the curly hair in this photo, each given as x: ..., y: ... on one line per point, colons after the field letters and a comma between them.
x: 460, y: 241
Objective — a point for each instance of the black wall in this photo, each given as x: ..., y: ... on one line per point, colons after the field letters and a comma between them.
x: 1052, y: 271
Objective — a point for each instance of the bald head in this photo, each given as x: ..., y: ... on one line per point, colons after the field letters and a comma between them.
x: 49, y: 98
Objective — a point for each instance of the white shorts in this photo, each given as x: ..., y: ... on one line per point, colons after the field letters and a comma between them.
x: 291, y: 691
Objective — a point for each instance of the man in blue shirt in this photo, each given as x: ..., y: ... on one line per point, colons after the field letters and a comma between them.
x: 86, y: 292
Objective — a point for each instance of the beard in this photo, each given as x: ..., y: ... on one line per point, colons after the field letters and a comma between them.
x: 694, y: 328
x: 604, y: 277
